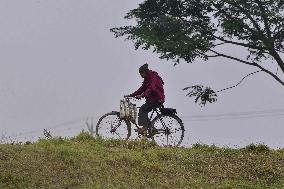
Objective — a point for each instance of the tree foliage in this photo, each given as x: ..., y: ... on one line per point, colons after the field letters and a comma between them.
x: 191, y: 29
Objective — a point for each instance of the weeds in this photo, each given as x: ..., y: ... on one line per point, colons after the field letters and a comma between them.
x: 87, y: 162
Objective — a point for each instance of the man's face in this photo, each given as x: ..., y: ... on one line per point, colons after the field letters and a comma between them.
x: 143, y: 74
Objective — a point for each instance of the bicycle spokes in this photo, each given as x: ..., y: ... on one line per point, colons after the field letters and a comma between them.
x: 110, y: 126
x: 169, y: 129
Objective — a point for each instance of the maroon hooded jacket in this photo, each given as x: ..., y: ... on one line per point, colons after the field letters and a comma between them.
x: 152, y: 88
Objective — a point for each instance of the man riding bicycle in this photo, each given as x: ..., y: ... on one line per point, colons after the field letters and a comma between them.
x: 152, y: 89
x: 165, y: 128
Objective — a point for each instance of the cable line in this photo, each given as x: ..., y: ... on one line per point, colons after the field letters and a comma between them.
x: 235, y: 117
x: 64, y: 124
x: 262, y: 112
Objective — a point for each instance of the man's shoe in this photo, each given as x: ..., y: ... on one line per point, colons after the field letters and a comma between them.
x: 142, y: 130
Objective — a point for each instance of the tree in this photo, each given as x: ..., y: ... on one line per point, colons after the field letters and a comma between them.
x: 191, y: 29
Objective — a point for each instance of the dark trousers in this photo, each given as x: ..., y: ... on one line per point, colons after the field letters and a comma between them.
x: 143, y: 119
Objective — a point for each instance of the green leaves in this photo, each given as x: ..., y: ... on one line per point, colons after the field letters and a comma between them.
x: 171, y: 28
x: 187, y: 29
x: 202, y: 94
x: 190, y: 29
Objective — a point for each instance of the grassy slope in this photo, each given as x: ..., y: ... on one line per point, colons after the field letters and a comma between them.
x: 82, y: 162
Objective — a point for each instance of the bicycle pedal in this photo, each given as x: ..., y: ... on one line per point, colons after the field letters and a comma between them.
x: 142, y: 135
x: 149, y: 136
x: 154, y: 130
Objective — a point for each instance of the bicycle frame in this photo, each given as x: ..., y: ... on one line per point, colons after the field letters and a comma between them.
x: 127, y: 99
x: 160, y: 118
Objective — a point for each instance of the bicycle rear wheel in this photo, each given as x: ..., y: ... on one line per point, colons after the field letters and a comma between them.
x: 110, y: 126
x: 168, y: 130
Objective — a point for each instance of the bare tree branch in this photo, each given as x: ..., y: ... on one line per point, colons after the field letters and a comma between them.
x: 218, y: 44
x: 239, y: 81
x: 233, y: 58
x: 272, y: 74
x: 208, y: 56
x: 278, y: 58
x: 241, y: 44
x: 252, y: 64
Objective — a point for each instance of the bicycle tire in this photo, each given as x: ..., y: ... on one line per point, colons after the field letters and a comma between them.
x: 105, y: 132
x: 158, y: 119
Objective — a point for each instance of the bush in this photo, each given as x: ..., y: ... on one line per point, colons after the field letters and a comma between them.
x: 260, y: 148
x: 83, y: 136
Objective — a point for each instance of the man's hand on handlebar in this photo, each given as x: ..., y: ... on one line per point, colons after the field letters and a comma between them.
x: 139, y: 97
x: 129, y: 96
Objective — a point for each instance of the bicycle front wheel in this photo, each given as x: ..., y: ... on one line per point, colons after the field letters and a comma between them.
x: 168, y: 130
x: 110, y: 126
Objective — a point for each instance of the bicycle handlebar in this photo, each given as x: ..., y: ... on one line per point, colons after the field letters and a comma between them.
x: 131, y: 97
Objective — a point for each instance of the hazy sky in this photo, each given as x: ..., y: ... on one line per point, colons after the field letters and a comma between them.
x: 60, y: 63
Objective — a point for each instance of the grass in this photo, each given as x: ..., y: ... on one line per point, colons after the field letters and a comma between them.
x: 84, y: 162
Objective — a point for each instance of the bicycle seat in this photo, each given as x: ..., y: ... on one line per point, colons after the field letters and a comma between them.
x: 168, y: 111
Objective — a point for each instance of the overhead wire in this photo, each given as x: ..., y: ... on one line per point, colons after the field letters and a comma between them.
x: 60, y: 125
x: 236, y: 115
x: 206, y: 117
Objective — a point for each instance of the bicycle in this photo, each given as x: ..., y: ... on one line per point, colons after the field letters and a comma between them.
x: 166, y: 127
